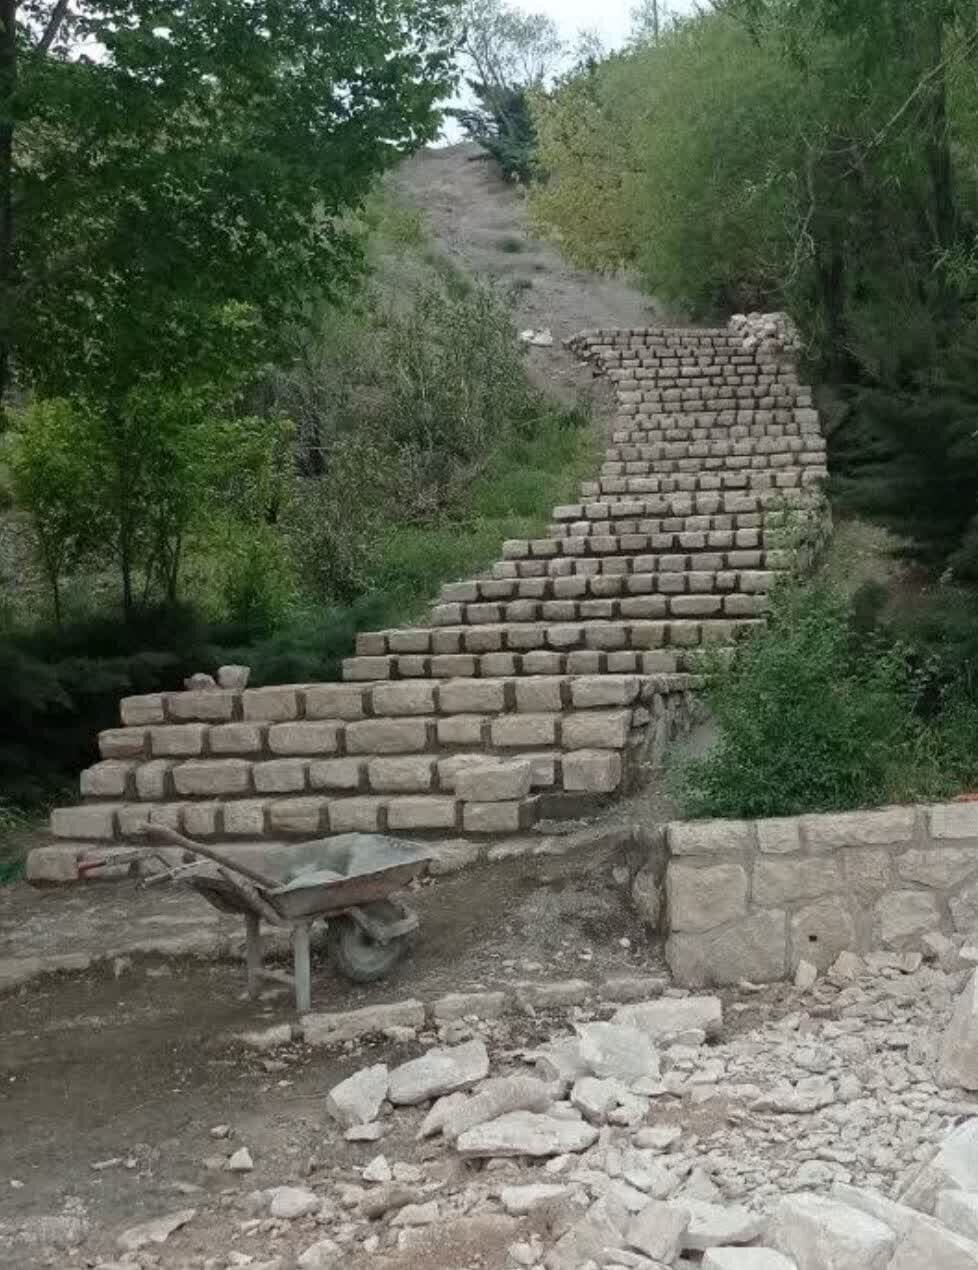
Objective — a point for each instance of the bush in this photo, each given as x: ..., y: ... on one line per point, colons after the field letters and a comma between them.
x: 810, y: 717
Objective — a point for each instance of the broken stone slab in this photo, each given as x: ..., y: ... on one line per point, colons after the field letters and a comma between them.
x: 463, y: 1005
x: 713, y: 1225
x: 806, y: 975
x: 560, y: 1061
x: 628, y: 989
x: 596, y: 1099
x: 545, y: 996
x: 290, y: 1202
x: 378, y: 1170
x: 241, y: 1161
x: 526, y: 1133
x: 520, y: 1200
x: 659, y: 1138
x: 365, y: 1133
x: 386, y: 1199
x: 157, y: 1231
x: 819, y: 1232
x: 358, y: 1099
x: 666, y: 1018
x: 351, y: 1025
x: 457, y: 1113
x: 618, y: 1051
x: 322, y: 1255
x: 810, y: 1094
x: 930, y: 1244
x: 54, y: 1230
x: 440, y: 1071
x: 747, y: 1259
x: 587, y: 1240
x: 958, y: 1210
x: 952, y: 1167
x: 417, y: 1214
x: 658, y: 1231
x: 959, y: 1050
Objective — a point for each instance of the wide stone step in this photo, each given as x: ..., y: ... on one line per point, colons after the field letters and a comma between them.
x: 652, y: 537
x: 592, y: 767
x: 720, y: 481
x: 684, y: 504
x: 302, y: 817
x: 657, y: 595
x: 677, y: 429
x: 591, y: 648
x: 666, y: 574
x: 694, y: 456
x: 536, y: 574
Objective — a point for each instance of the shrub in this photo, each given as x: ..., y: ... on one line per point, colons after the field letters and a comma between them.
x: 810, y: 719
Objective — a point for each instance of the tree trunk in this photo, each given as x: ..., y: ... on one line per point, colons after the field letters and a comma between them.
x: 939, y: 162
x: 8, y: 86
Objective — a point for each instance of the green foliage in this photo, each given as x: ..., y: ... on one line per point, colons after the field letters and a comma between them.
x: 502, y: 124
x: 810, y: 719
x: 179, y: 195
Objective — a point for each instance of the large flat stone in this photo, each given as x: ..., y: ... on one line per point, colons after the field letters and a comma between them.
x: 952, y: 1167
x: 747, y: 1259
x: 889, y: 827
x: 349, y: 1025
x: 777, y: 882
x: 665, y: 1018
x: 526, y: 1133
x: 822, y: 1234
x: 358, y: 1099
x: 959, y: 1050
x: 658, y: 1230
x: 903, y: 916
x: 755, y: 948
x: 716, y: 1225
x: 440, y: 1071
x: 702, y: 899
x: 710, y: 837
x: 618, y: 1051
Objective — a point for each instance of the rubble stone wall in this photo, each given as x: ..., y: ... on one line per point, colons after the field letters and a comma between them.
x: 751, y: 899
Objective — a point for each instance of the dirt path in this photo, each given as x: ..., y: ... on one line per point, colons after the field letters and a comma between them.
x: 481, y: 224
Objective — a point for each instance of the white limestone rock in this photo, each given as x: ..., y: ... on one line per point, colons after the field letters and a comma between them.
x: 157, y: 1231
x: 658, y: 1231
x: 290, y: 1202
x: 930, y: 1244
x: 959, y: 1052
x: 958, y: 1210
x: 358, y: 1099
x: 520, y: 1200
x: 952, y: 1167
x: 440, y: 1071
x: 747, y: 1259
x: 713, y: 1225
x: 663, y: 1020
x: 457, y: 1112
x: 617, y: 1051
x: 526, y: 1133
x: 821, y: 1233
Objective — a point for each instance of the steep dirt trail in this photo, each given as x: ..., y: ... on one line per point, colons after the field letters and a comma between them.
x: 481, y: 223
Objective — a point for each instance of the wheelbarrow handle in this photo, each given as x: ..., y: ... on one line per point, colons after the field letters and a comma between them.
x: 162, y: 833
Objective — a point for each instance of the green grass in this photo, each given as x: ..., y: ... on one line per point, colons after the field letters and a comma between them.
x: 15, y: 825
x: 511, y: 246
x: 512, y: 498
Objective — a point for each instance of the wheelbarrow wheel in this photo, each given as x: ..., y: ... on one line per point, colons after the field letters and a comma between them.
x: 359, y: 957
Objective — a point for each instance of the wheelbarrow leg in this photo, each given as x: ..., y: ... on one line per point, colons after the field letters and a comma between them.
x: 253, y: 952
x: 303, y: 970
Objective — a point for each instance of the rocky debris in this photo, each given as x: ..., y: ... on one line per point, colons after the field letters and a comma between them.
x: 618, y: 1051
x: 668, y: 1018
x: 290, y: 1202
x: 457, y: 1113
x: 959, y: 1053
x: 658, y: 1231
x: 241, y: 1161
x: 520, y: 1200
x: 351, y: 1025
x: 387, y: 1199
x: 322, y: 1255
x: 712, y: 1225
x: 62, y: 1230
x: 821, y: 1234
x: 358, y: 1099
x: 157, y: 1231
x: 440, y: 1071
x: 747, y: 1259
x: 526, y: 1133
x: 953, y: 1166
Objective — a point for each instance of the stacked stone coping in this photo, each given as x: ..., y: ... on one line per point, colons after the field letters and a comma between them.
x: 573, y: 661
x: 750, y: 899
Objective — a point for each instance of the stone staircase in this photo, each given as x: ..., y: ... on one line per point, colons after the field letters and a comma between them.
x: 558, y: 677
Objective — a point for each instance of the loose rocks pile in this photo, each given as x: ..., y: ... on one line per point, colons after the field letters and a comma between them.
x: 665, y: 1133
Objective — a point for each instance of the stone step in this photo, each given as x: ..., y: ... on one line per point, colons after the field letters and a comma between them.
x: 694, y: 503
x: 730, y: 454
x: 712, y: 536
x: 674, y: 430
x: 303, y: 817
x: 270, y: 720
x: 744, y: 480
x: 661, y: 595
x: 540, y: 576
x: 532, y: 649
x: 595, y: 767
x: 677, y: 573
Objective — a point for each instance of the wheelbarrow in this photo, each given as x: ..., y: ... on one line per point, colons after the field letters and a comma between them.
x: 348, y: 882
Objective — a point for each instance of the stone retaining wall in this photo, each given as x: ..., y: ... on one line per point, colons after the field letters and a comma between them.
x: 750, y: 899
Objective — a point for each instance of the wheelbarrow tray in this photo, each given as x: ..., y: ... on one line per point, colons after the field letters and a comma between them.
x: 337, y: 875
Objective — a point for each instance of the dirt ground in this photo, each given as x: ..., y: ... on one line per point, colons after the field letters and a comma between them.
x: 134, y: 1062
x: 480, y: 223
